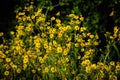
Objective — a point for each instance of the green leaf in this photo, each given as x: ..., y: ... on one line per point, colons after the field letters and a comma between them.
x: 115, y: 47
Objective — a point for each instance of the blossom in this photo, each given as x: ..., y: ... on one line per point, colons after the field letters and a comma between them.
x: 6, y: 73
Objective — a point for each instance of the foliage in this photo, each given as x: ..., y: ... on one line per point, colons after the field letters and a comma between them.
x: 42, y: 49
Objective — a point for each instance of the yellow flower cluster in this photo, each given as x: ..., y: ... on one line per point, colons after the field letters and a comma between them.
x: 53, y: 51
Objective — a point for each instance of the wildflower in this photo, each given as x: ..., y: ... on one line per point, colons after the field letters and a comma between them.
x: 82, y: 50
x: 76, y: 45
x: 53, y: 69
x: 88, y: 69
x: 96, y: 43
x: 111, y: 37
x: 91, y: 36
x: 65, y: 51
x: 18, y: 70
x: 59, y: 49
x: 71, y: 15
x: 93, y: 66
x: 79, y: 57
x: 53, y: 18
x: 76, y: 27
x: 112, y: 13
x: 7, y: 66
x: 46, y: 70
x: 81, y: 18
x: 33, y: 71
x: 60, y: 34
x: 96, y: 36
x: 12, y: 32
x: 112, y: 63
x: 82, y: 29
x: 51, y: 35
x: 75, y: 17
x: 67, y: 59
x: 25, y: 59
x: 58, y: 14
x: 8, y: 59
x: 85, y: 62
x: 24, y: 66
x: 6, y: 73
x: 1, y: 34
x: 117, y: 68
x: 112, y: 77
x: 58, y: 21
x: 46, y: 45
x: 1, y: 60
x: 38, y: 69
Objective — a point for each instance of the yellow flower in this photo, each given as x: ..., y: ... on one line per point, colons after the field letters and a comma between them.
x: 1, y: 60
x: 82, y: 50
x: 53, y: 69
x: 12, y: 32
x: 58, y: 21
x: 65, y: 52
x: 111, y: 37
x: 38, y: 69
x: 52, y: 18
x: 71, y: 15
x: 79, y: 57
x: 93, y: 66
x: 59, y: 49
x: 117, y: 68
x: 91, y: 36
x: 58, y: 14
x: 25, y: 59
x: 81, y: 18
x: 24, y: 66
x: 112, y: 63
x: 88, y: 69
x: 85, y: 62
x: 67, y: 59
x: 96, y: 36
x: 41, y: 60
x: 46, y: 45
x: 18, y: 70
x: 8, y: 59
x: 82, y: 29
x: 6, y: 73
x: 1, y: 34
x: 51, y: 35
x: 76, y: 45
x: 33, y: 71
x: 112, y: 13
x: 96, y: 43
x: 46, y: 69
x: 60, y: 34
x: 7, y: 66
x: 2, y: 55
x: 76, y: 27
